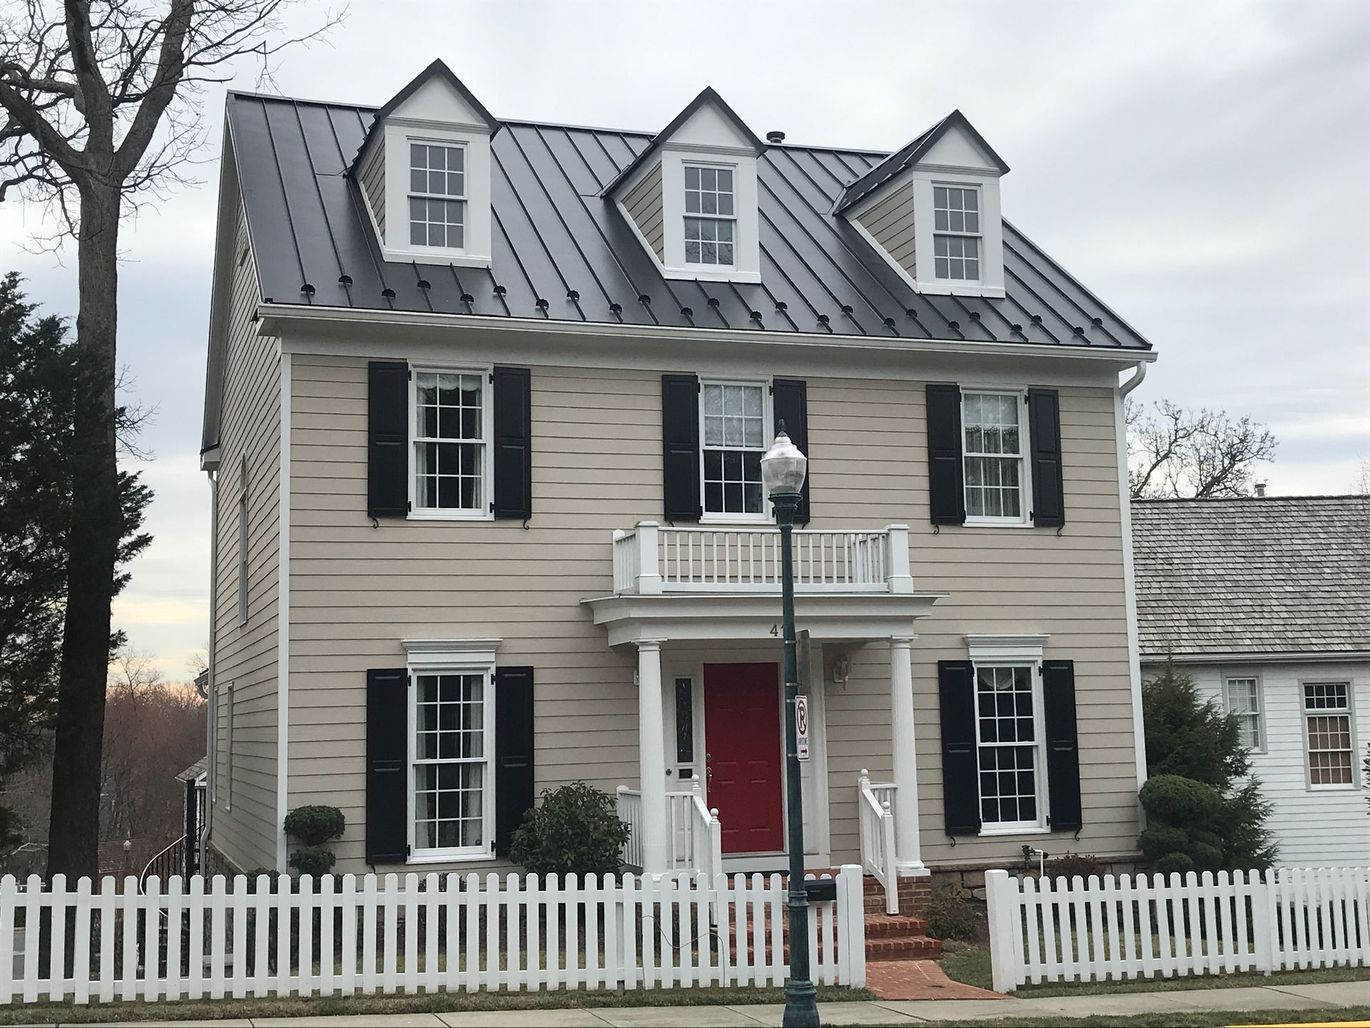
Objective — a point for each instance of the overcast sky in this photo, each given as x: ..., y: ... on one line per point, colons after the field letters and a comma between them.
x: 1203, y: 167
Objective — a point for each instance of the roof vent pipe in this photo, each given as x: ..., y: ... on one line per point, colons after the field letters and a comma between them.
x: 1260, y: 489
x: 775, y: 136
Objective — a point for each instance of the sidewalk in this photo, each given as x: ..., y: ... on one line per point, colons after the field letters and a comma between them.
x: 880, y: 1012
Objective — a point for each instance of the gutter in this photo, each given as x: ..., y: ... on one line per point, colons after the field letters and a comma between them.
x: 1136, y: 380
x: 274, y: 318
x: 212, y: 700
x: 1233, y: 657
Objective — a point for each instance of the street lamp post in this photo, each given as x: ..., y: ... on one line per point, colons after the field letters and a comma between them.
x: 782, y: 475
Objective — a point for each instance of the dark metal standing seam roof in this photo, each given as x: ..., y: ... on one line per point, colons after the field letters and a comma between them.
x: 1267, y: 575
x: 562, y: 252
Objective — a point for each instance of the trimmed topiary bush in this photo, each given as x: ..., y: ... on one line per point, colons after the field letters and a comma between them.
x: 1179, y: 836
x: 574, y: 830
x: 313, y: 860
x: 315, y: 825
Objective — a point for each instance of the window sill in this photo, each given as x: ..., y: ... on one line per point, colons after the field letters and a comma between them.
x: 737, y: 521
x: 1352, y: 788
x: 435, y: 254
x: 996, y: 523
x: 961, y: 289
x: 449, y: 857
x: 712, y: 273
x: 450, y: 515
x: 993, y: 833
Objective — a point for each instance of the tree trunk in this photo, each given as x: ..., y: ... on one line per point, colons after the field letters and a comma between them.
x: 96, y: 520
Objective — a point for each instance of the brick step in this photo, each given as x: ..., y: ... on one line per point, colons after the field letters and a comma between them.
x: 911, y: 948
x: 890, y: 925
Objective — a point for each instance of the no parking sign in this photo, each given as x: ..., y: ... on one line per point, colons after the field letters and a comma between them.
x: 801, y: 726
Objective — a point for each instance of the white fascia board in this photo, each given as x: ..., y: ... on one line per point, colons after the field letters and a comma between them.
x: 221, y: 290
x: 276, y: 319
x: 1155, y: 660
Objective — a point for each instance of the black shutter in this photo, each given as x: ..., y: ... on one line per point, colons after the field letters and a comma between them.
x: 513, y: 751
x: 387, y: 751
x: 960, y: 774
x: 1044, y: 427
x: 791, y: 403
x: 387, y: 439
x: 680, y: 446
x: 1063, y: 749
x: 513, y: 444
x: 946, y: 492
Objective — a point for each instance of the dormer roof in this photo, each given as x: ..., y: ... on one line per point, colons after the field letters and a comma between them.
x: 439, y: 72
x: 912, y: 153
x: 707, y: 99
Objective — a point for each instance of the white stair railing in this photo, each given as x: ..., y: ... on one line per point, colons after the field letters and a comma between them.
x: 877, y: 837
x: 630, y: 813
x: 694, y: 835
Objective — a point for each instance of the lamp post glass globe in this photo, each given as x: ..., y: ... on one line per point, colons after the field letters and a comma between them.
x: 783, y: 467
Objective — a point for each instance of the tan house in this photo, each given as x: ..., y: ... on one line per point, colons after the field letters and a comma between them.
x: 485, y: 406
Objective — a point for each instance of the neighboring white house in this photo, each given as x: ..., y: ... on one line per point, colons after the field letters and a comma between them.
x: 1266, y: 602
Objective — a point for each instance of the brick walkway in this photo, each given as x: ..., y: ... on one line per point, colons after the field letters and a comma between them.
x: 918, y: 979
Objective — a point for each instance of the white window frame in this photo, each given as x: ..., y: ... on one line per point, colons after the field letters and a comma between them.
x: 1349, y: 712
x: 463, y: 199
x: 1010, y: 651
x: 486, y: 510
x: 731, y: 219
x: 244, y: 543
x: 1024, y: 519
x: 1259, y: 712
x: 452, y: 657
x: 746, y: 266
x: 228, y: 748
x: 767, y: 515
x: 979, y: 236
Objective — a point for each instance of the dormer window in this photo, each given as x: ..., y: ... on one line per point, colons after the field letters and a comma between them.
x: 710, y: 214
x: 437, y: 195
x: 956, y: 232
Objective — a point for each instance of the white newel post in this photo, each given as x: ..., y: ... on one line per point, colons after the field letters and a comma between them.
x: 908, y: 853
x: 651, y: 757
x: 898, y: 575
x: 649, y: 570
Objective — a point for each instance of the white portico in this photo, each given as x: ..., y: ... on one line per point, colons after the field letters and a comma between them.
x: 702, y: 608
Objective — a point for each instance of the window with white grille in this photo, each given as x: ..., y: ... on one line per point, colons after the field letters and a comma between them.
x: 995, y: 471
x: 1242, y: 697
x: 1327, y: 732
x: 1009, y: 735
x: 451, y: 772
x: 956, y: 232
x: 451, y: 473
x: 710, y: 215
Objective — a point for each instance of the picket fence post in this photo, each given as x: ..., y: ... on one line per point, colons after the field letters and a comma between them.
x: 851, y: 927
x: 1001, y: 895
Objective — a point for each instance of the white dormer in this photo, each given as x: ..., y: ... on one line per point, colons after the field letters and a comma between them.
x: 931, y: 211
x: 691, y: 195
x: 424, y: 172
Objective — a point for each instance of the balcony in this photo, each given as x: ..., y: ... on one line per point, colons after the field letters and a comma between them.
x: 654, y: 560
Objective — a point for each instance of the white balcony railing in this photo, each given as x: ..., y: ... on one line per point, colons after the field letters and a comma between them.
x: 655, y: 559
x: 877, y: 836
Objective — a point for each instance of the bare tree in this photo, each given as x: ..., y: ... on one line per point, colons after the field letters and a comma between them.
x: 98, y: 107
x: 1174, y: 451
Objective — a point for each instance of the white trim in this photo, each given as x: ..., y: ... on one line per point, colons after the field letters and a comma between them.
x: 228, y: 747
x: 462, y: 664
x: 1024, y: 519
x: 746, y: 265
x: 1006, y: 649
x: 283, y: 623
x: 1134, y: 659
x: 1008, y: 659
x: 991, y: 281
x: 274, y: 318
x: 244, y: 527
x: 450, y: 653
x: 474, y: 140
x: 485, y: 512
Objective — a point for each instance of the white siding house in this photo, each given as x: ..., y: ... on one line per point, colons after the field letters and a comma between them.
x: 1264, y: 601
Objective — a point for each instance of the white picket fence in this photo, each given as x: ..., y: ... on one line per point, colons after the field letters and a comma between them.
x: 361, y: 934
x: 1148, y: 926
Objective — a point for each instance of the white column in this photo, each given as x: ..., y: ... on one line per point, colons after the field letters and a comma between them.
x: 908, y: 854
x: 651, y: 732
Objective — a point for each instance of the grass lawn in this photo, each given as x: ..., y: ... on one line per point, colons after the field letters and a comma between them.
x: 969, y: 963
x: 440, y: 1002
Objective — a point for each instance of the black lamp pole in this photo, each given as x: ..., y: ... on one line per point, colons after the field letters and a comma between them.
x: 801, y: 1003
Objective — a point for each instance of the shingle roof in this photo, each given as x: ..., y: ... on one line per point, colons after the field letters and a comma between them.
x: 1271, y: 575
x: 562, y: 252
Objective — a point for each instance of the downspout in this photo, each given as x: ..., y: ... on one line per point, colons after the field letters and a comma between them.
x: 1134, y: 659
x: 1133, y: 382
x: 212, y: 700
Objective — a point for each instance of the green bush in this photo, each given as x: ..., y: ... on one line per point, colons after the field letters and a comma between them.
x: 313, y: 860
x: 1068, y: 865
x: 315, y: 825
x: 574, y: 830
x: 1180, y: 832
x: 952, y: 914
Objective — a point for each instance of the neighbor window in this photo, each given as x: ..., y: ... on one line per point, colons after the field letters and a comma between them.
x: 733, y: 419
x: 709, y: 215
x: 1007, y: 704
x: 993, y: 452
x: 1243, y: 699
x: 437, y: 195
x: 956, y: 232
x: 1327, y: 725
x: 449, y: 446
x: 451, y: 776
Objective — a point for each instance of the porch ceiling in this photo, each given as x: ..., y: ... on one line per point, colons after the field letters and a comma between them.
x: 721, y: 617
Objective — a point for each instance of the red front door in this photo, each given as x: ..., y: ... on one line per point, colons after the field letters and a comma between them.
x: 742, y: 740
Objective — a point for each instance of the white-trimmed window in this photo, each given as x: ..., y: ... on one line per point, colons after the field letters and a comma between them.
x: 733, y: 419
x: 956, y: 232
x: 992, y: 447
x: 1327, y: 733
x: 1242, y: 697
x: 1010, y: 746
x: 437, y: 195
x: 451, y: 473
x: 244, y: 541
x: 710, y: 216
x: 452, y: 746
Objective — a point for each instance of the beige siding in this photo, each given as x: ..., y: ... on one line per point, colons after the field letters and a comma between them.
x: 890, y: 223
x: 644, y: 206
x: 357, y: 590
x: 373, y: 183
x: 245, y: 832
